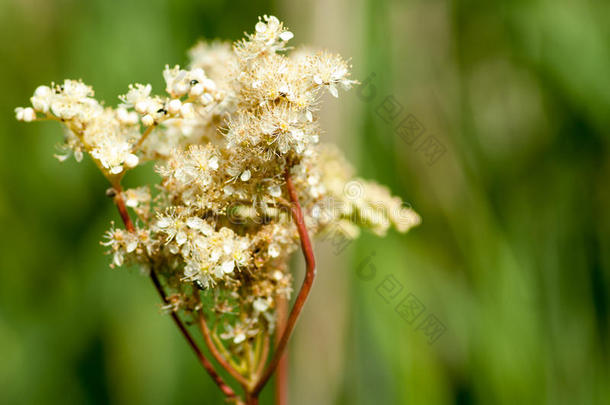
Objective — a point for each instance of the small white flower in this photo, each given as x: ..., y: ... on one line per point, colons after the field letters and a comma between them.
x: 187, y: 110
x: 213, y: 163
x: 197, y: 90
x: 40, y: 104
x: 132, y: 160
x: 272, y: 21
x: 215, y: 255
x: 260, y: 304
x: 197, y: 74
x: 207, y: 229
x: 275, y: 191
x: 148, y: 120
x: 313, y: 180
x: 206, y: 98
x: 29, y: 114
x: 245, y: 176
x: 173, y: 106
x: 25, y: 114
x: 195, y: 223
x: 260, y: 27
x: 227, y: 267
x: 180, y: 88
x: 273, y: 250
x: 137, y: 93
x: 42, y: 98
x: 42, y: 91
x: 126, y: 117
x: 131, y: 202
x: 239, y: 337
x: 131, y: 245
x: 141, y: 106
x: 286, y: 36
x: 117, y: 259
x: 181, y: 237
x: 164, y: 222
x: 208, y: 84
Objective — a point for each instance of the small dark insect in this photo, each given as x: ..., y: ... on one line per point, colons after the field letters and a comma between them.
x: 198, y: 284
x: 194, y: 82
x: 162, y: 110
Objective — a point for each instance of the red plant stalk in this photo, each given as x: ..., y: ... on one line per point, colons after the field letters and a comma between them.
x: 205, y: 331
x: 310, y: 272
x: 228, y: 391
x: 251, y: 400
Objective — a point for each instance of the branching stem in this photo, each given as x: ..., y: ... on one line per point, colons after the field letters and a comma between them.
x: 143, y: 137
x: 310, y: 272
x: 205, y: 331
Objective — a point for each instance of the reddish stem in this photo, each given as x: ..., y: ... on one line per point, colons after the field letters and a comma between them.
x: 120, y: 204
x: 228, y: 391
x: 310, y: 272
x: 205, y: 331
x: 251, y: 400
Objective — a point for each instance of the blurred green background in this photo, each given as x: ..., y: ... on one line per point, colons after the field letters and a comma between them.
x: 513, y: 256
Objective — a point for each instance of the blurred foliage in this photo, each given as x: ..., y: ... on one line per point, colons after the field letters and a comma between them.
x: 512, y: 256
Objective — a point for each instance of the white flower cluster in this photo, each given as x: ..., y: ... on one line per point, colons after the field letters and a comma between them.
x: 131, y: 246
x: 351, y: 200
x: 223, y: 136
x: 112, y: 136
x: 91, y: 127
x: 209, y: 255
